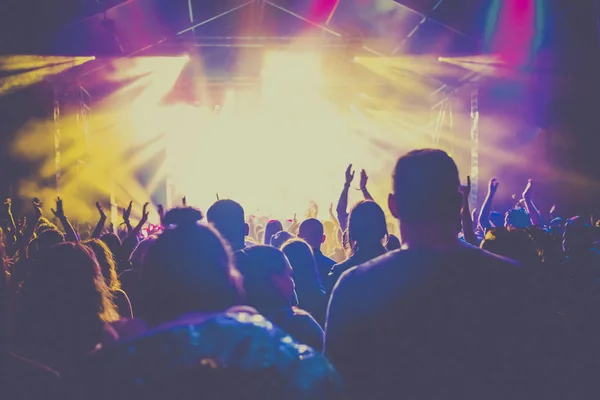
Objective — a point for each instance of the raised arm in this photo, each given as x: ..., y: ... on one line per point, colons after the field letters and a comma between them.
x: 10, y: 228
x: 127, y: 216
x: 534, y: 214
x: 486, y: 209
x: 101, y: 222
x: 70, y: 233
x: 295, y: 226
x: 131, y: 241
x: 143, y: 220
x: 363, y: 185
x: 467, y: 221
x: 25, y: 237
x: 161, y: 213
x: 342, y: 206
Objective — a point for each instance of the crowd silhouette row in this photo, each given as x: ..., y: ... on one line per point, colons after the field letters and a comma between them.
x: 456, y: 304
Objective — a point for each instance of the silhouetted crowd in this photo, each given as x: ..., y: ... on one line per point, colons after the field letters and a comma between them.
x: 221, y: 305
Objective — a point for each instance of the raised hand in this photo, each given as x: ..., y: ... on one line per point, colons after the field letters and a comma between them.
x: 363, y: 179
x: 145, y: 214
x: 59, y: 212
x: 466, y: 189
x: 22, y: 224
x: 37, y: 208
x: 101, y: 211
x: 330, y: 208
x: 8, y: 205
x: 127, y: 212
x: 528, y: 190
x: 494, y: 183
x: 184, y: 201
x: 161, y: 211
x: 349, y: 175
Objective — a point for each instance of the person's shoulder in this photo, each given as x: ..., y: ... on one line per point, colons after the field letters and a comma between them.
x: 322, y: 258
x: 387, y: 259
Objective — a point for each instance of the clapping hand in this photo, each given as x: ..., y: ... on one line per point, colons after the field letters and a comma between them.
x: 145, y: 214
x: 363, y: 179
x: 349, y: 175
x: 127, y: 212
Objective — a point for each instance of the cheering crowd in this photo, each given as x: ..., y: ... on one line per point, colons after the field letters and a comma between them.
x: 217, y: 304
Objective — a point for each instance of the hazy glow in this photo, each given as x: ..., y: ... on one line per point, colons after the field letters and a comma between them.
x: 36, y: 69
x: 289, y: 147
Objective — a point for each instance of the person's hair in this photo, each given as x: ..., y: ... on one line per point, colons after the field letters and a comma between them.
x: 497, y: 219
x: 578, y: 237
x: 114, y: 244
x: 366, y: 226
x: 272, y: 228
x: 312, y: 231
x: 258, y: 265
x: 518, y: 218
x: 513, y: 243
x: 188, y: 268
x: 278, y: 239
x: 227, y: 217
x: 106, y: 261
x: 182, y: 215
x: 64, y: 303
x: 393, y: 243
x: 426, y: 187
x: 44, y: 241
x: 302, y: 260
x: 138, y: 256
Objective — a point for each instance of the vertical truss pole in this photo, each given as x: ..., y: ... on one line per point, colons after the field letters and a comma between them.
x: 191, y: 13
x: 451, y: 125
x: 57, y: 157
x: 474, y: 148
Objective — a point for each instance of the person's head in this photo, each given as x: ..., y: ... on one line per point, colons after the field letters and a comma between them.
x: 312, y: 231
x: 64, y: 304
x: 578, y: 237
x: 497, y: 219
x: 188, y: 269
x: 44, y: 241
x: 328, y: 228
x: 301, y: 257
x: 267, y: 276
x: 393, y: 243
x: 227, y: 217
x: 113, y: 242
x: 106, y: 261
x: 367, y: 228
x: 278, y: 239
x: 513, y: 243
x: 273, y: 226
x: 426, y: 193
x: 182, y: 215
x: 517, y: 218
x: 138, y: 256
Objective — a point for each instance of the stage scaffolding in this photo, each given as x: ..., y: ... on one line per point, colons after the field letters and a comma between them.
x: 442, y: 120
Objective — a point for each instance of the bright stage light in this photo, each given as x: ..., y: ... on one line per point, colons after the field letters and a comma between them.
x: 293, y: 69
